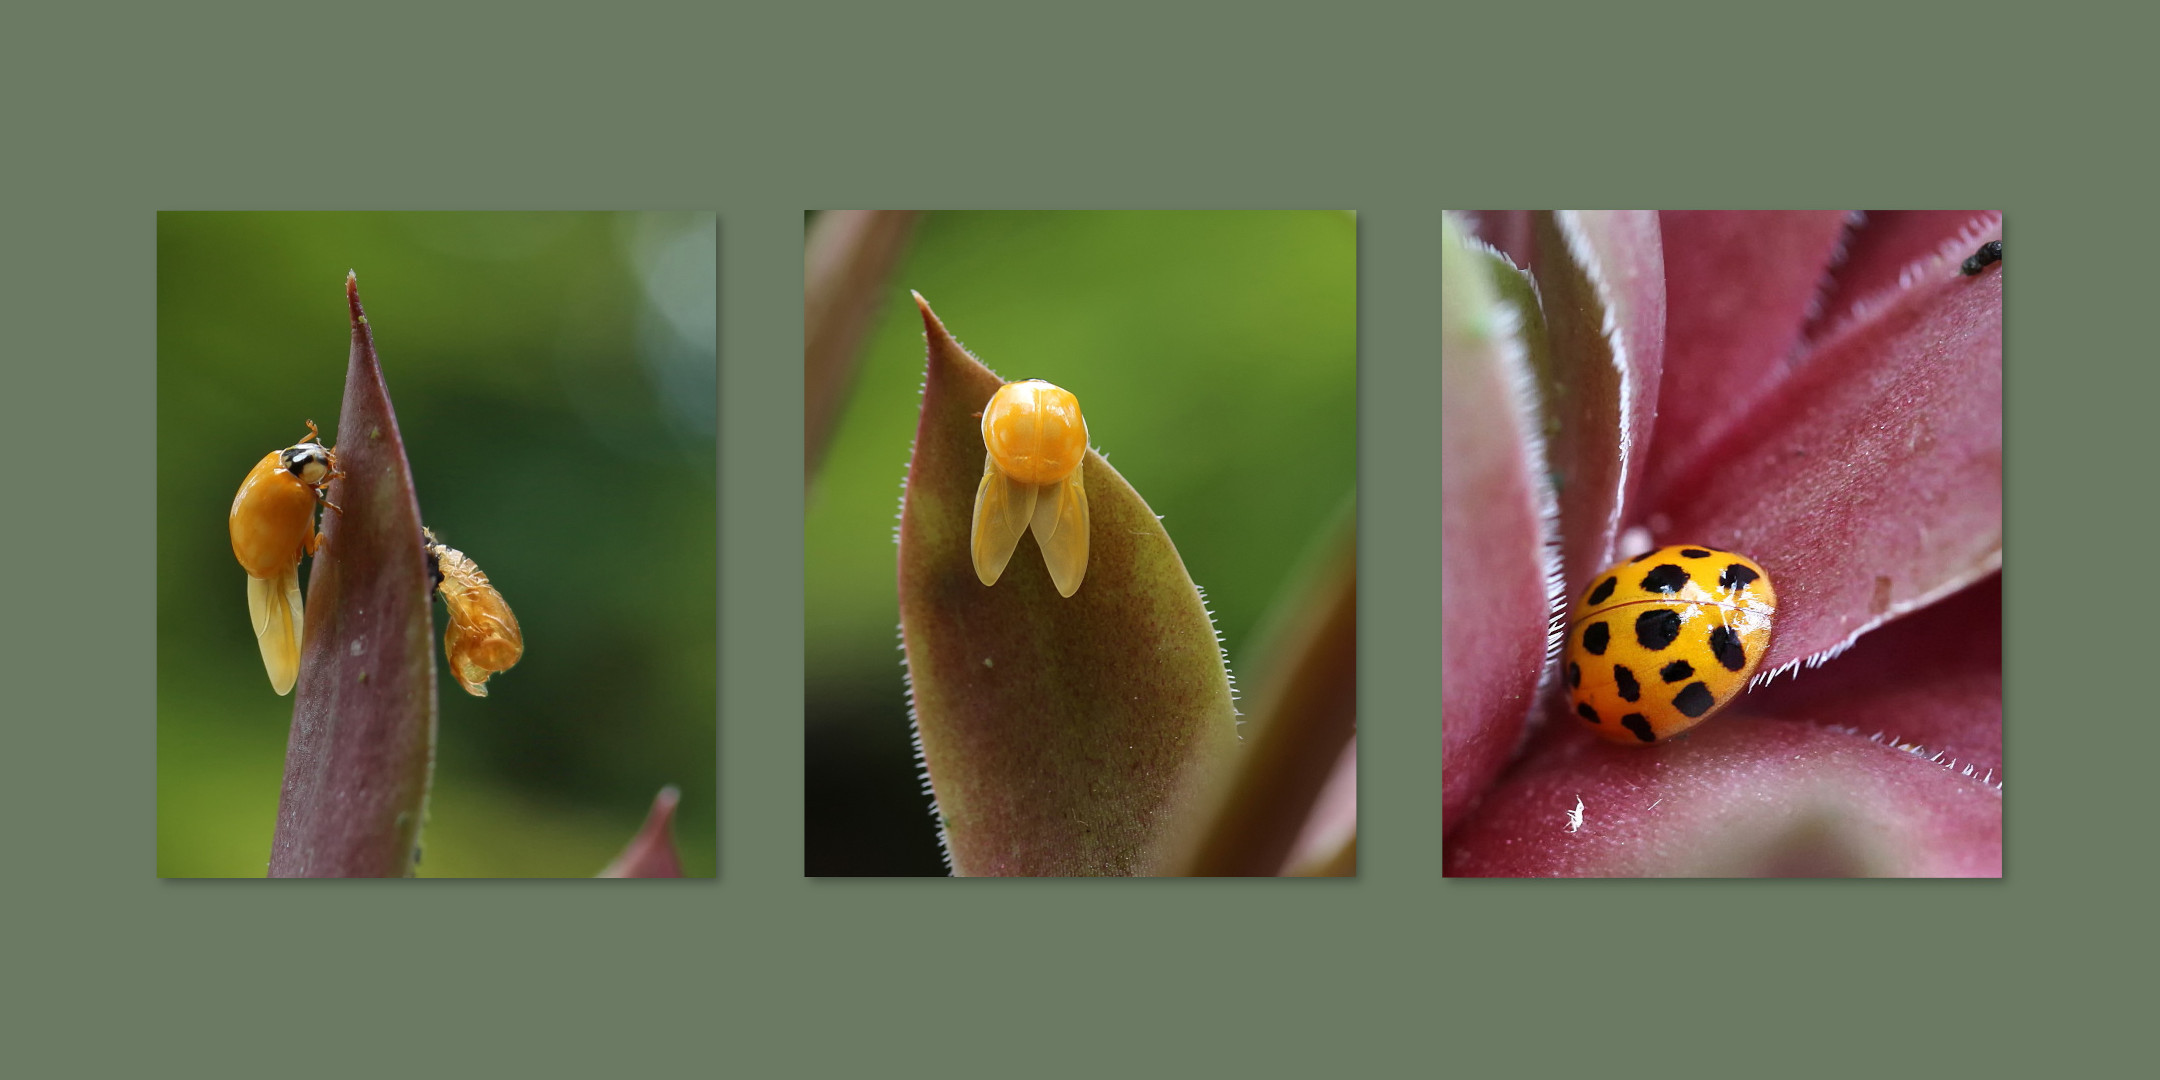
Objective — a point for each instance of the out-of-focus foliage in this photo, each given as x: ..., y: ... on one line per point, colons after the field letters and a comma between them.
x: 1215, y: 357
x: 555, y: 383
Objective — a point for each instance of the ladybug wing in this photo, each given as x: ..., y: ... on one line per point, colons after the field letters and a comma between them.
x: 274, y: 608
x: 1002, y: 510
x: 1061, y: 528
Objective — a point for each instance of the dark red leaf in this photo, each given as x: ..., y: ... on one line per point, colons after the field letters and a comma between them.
x: 363, y: 735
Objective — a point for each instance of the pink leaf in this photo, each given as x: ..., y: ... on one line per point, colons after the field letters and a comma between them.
x: 1871, y: 484
x: 1494, y: 570
x: 651, y: 853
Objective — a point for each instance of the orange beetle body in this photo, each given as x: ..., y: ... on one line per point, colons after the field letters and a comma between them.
x: 483, y: 636
x: 272, y: 522
x: 1035, y: 441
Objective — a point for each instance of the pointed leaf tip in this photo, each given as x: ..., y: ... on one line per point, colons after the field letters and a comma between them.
x: 361, y: 751
x: 651, y: 853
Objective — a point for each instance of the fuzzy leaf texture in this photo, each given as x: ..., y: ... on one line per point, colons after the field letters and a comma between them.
x: 1062, y: 736
x: 363, y: 733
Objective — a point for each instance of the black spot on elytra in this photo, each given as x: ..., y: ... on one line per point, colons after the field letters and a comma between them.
x: 1583, y: 709
x: 1634, y: 722
x: 1595, y: 637
x: 1574, y: 674
x: 1726, y: 646
x: 1625, y: 679
x: 1642, y: 556
x: 1656, y: 628
x: 1737, y: 576
x: 1667, y: 578
x: 1676, y: 671
x: 1604, y: 590
x: 1694, y: 701
x: 1694, y: 553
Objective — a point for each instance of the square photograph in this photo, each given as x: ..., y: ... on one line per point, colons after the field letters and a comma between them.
x: 1081, y: 543
x: 1721, y: 544
x: 436, y: 544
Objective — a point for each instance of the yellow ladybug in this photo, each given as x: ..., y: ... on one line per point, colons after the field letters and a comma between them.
x: 1035, y: 442
x: 1667, y: 638
x: 273, y: 525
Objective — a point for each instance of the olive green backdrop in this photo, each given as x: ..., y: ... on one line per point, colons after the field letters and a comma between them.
x: 1215, y: 358
x: 1395, y: 110
x: 554, y: 377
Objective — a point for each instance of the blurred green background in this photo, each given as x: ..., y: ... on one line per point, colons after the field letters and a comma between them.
x: 1215, y: 358
x: 555, y: 380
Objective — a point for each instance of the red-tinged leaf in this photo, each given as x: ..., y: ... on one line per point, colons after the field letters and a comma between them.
x: 1602, y: 279
x: 1739, y: 285
x: 846, y: 260
x: 1892, y: 251
x: 1931, y: 680
x: 1304, y: 716
x: 363, y: 735
x: 1062, y: 735
x: 1871, y: 483
x: 1328, y: 845
x: 651, y: 853
x: 1496, y: 587
x: 1735, y: 798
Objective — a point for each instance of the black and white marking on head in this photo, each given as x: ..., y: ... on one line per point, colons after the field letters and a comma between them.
x: 1989, y: 254
x: 307, y: 461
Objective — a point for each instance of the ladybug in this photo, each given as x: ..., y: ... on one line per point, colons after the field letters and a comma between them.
x: 272, y: 522
x: 1663, y: 640
x: 1034, y: 441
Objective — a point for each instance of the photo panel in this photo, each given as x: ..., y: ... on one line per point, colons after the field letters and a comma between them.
x: 1722, y: 544
x: 436, y: 544
x: 1080, y: 543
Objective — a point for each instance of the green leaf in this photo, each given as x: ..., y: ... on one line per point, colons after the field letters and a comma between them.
x: 1061, y: 735
x: 363, y: 732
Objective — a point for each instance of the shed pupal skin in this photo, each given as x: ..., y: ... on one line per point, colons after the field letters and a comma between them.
x: 482, y: 637
x: 1034, y: 442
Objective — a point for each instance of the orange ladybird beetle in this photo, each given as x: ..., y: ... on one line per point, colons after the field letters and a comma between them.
x: 273, y: 526
x: 1035, y: 442
x: 1661, y: 641
x: 483, y: 636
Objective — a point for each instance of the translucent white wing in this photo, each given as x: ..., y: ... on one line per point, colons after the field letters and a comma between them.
x: 1002, y: 510
x: 1061, y: 528
x: 274, y: 606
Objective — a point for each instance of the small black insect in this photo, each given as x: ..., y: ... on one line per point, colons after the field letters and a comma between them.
x: 1989, y: 254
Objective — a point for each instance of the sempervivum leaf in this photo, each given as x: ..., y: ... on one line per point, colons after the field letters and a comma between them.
x: 1870, y: 483
x: 1495, y: 513
x: 1062, y: 735
x: 1738, y: 797
x: 1739, y: 286
x: 651, y: 853
x: 1601, y: 276
x: 363, y: 734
